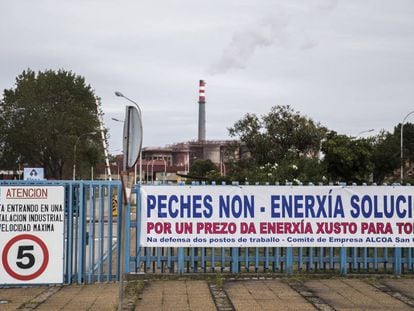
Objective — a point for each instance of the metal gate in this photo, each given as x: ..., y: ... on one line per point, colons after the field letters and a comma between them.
x: 91, y: 229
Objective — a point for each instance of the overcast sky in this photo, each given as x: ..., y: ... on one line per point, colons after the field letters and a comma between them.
x: 348, y: 64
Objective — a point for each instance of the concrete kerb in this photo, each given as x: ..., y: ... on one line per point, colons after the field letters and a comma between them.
x: 211, y: 276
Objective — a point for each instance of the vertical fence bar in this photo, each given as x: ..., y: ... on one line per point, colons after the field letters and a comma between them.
x: 158, y: 258
x: 375, y: 254
x: 276, y: 263
x: 81, y: 235
x: 331, y: 258
x: 397, y: 261
x: 266, y: 264
x: 246, y: 259
x: 109, y: 241
x: 213, y: 259
x: 101, y: 233
x: 223, y: 259
x: 180, y: 259
x: 118, y: 233
x: 127, y: 238
x: 256, y: 259
x: 235, y: 259
x: 310, y: 250
x: 203, y: 259
x: 343, y: 260
x: 289, y: 260
x: 91, y: 233
x: 138, y: 232
x: 300, y: 258
x: 169, y: 259
x: 69, y: 244
x: 365, y: 258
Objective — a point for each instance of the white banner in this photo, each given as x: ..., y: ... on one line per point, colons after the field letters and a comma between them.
x: 272, y: 216
x: 31, y: 234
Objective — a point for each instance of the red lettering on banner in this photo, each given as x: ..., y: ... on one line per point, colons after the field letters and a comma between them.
x: 336, y: 227
x: 405, y: 227
x: 376, y: 228
x: 184, y: 227
x: 285, y: 227
x: 216, y: 227
x: 159, y: 227
x: 247, y: 227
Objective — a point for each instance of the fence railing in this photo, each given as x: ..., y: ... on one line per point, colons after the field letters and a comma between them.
x: 91, y: 230
x: 91, y: 252
x: 289, y: 260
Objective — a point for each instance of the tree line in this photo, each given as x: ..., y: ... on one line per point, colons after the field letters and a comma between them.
x: 286, y: 147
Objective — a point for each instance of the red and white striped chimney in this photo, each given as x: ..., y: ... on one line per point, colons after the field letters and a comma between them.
x: 201, y: 111
x: 202, y: 92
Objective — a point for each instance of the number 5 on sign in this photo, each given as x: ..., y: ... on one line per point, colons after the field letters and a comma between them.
x: 25, y: 258
x: 25, y: 251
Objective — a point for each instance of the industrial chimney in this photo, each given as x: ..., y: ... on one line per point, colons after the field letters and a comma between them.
x: 202, y: 112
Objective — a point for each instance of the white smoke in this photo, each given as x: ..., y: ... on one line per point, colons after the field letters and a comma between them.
x: 279, y: 30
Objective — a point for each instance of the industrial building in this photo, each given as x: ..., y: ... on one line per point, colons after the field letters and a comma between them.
x: 171, y: 163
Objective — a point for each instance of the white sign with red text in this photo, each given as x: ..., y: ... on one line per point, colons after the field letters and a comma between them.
x: 31, y: 234
x: 271, y: 216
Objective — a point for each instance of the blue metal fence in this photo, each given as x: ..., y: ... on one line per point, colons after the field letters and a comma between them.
x: 91, y: 231
x: 289, y: 260
x: 92, y: 254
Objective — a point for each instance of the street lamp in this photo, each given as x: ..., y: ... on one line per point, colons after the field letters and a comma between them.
x: 402, y: 160
x: 74, y: 151
x: 119, y: 94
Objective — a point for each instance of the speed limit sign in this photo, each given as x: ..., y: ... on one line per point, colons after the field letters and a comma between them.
x: 31, y: 234
x: 25, y: 257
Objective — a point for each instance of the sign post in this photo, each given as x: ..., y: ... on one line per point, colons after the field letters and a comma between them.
x: 31, y: 234
x: 132, y: 143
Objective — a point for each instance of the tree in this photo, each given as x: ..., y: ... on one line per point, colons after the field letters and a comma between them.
x: 385, y: 156
x: 43, y: 117
x: 347, y: 159
x: 202, y: 168
x: 281, y: 144
x: 281, y: 133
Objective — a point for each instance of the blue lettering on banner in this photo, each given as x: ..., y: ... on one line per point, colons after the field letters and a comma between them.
x: 183, y: 206
x: 389, y: 207
x: 306, y: 206
x: 236, y: 206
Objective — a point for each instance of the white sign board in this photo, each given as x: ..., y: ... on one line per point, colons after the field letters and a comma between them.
x: 33, y: 173
x: 272, y: 216
x: 31, y: 234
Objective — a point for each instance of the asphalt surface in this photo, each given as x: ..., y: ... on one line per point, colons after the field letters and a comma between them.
x: 245, y: 293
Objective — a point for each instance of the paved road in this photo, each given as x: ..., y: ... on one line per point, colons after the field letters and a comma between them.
x: 296, y: 293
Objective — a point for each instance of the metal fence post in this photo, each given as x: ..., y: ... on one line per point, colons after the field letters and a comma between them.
x: 180, y: 258
x: 342, y: 260
x: 289, y: 260
x: 235, y: 259
x: 397, y: 261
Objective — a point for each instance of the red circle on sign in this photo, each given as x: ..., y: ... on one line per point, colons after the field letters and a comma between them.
x: 36, y: 273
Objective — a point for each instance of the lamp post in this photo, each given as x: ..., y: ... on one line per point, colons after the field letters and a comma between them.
x: 119, y: 94
x: 74, y: 151
x: 402, y: 158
